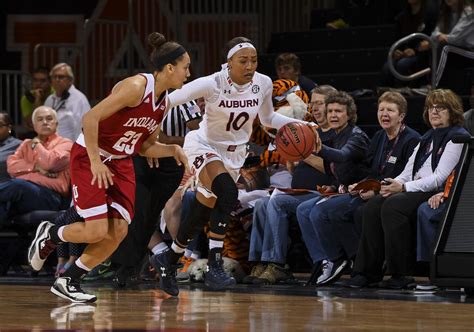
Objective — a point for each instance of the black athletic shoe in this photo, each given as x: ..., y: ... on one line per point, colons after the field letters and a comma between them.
x: 69, y: 290
x: 316, y: 272
x: 125, y: 276
x: 398, y: 282
x: 166, y: 272
x: 361, y: 281
x: 216, y: 277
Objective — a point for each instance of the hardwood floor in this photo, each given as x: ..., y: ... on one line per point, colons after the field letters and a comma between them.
x: 33, y: 307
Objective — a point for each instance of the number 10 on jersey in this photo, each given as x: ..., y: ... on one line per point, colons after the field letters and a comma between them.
x: 237, y: 122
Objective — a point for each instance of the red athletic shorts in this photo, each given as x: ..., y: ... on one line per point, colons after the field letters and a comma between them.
x: 92, y: 202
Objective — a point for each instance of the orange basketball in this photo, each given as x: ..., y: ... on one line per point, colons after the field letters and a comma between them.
x: 295, y: 141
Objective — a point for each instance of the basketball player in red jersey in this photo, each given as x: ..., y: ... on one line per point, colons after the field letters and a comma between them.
x: 124, y: 124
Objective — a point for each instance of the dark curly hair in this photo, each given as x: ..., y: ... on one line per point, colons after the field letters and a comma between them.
x: 344, y: 98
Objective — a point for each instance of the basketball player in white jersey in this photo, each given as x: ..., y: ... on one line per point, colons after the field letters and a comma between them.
x: 216, y: 151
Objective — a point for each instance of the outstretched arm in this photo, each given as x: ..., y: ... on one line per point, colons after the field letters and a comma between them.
x: 270, y: 118
x: 200, y: 87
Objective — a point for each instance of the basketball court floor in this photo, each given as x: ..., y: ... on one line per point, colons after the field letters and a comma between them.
x: 26, y: 304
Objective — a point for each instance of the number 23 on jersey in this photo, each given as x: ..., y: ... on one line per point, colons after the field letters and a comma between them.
x: 127, y: 142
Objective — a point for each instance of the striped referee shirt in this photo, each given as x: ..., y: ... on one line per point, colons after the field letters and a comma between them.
x: 174, y: 123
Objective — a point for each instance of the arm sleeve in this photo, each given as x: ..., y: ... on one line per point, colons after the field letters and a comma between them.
x: 18, y: 163
x: 406, y: 175
x: 270, y: 118
x: 355, y: 148
x: 201, y: 87
x: 462, y: 29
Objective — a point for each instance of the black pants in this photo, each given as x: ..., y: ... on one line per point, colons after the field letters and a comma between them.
x: 389, y: 233
x: 154, y: 188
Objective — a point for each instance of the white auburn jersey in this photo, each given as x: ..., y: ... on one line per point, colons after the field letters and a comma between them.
x: 230, y: 108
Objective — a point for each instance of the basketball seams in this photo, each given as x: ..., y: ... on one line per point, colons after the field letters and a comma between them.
x: 295, y: 151
x: 292, y: 140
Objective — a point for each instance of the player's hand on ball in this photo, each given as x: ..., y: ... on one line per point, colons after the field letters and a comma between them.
x: 318, y: 144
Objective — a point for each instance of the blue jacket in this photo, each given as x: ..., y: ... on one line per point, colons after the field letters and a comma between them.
x: 384, y: 166
x: 345, y: 156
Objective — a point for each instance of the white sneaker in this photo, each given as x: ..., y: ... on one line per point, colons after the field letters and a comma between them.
x: 325, y: 271
x: 331, y: 272
x: 429, y: 287
x: 41, y: 246
x: 63, y: 287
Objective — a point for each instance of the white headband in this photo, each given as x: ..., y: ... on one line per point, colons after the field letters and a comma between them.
x: 238, y: 47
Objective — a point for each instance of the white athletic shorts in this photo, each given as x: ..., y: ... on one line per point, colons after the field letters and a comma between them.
x: 200, y: 153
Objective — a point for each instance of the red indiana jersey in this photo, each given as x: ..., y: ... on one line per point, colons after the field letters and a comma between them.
x: 124, y: 132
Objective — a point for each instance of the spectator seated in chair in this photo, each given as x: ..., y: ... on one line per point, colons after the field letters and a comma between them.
x: 388, y: 227
x: 334, y: 221
x: 39, y: 170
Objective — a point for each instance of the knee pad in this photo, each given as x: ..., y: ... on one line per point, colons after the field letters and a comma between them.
x: 226, y: 191
x: 198, y: 216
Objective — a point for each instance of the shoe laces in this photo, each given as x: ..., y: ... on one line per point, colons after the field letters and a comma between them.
x: 47, y: 247
x: 325, y: 265
x: 75, y: 287
x: 217, y: 269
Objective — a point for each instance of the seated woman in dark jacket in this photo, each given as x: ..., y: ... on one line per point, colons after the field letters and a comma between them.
x: 344, y: 155
x: 333, y: 220
x: 345, y: 160
x: 269, y: 239
x: 388, y: 222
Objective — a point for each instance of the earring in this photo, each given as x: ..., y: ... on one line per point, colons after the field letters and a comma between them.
x: 9, y: 131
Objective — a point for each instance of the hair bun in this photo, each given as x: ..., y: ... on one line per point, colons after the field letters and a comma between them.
x: 156, y: 39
